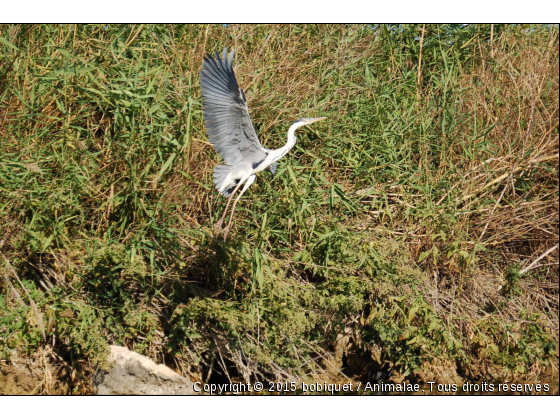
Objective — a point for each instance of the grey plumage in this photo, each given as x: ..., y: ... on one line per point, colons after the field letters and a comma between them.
x: 226, y: 116
x: 220, y: 174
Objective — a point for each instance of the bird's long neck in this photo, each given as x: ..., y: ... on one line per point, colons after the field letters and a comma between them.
x: 282, y: 151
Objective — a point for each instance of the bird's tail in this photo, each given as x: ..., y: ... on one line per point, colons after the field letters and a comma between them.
x: 224, y: 184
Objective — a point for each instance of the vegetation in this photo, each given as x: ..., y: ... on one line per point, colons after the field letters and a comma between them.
x: 400, y: 238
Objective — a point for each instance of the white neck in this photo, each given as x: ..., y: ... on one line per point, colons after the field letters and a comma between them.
x: 282, y: 151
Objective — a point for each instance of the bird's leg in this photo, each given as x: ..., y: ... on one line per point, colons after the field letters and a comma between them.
x: 247, y: 185
x: 226, y: 230
x: 221, y: 221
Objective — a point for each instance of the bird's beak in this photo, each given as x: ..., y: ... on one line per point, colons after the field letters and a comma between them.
x: 316, y: 119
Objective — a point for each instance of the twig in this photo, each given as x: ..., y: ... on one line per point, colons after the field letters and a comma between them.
x: 523, y: 271
x: 491, y: 213
x: 492, y: 40
x: 465, y: 177
x: 133, y: 38
x: 264, y: 43
x: 507, y: 174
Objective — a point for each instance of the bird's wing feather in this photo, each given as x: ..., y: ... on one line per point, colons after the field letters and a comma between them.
x: 226, y: 116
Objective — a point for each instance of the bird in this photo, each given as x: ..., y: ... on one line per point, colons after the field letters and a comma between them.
x: 231, y: 132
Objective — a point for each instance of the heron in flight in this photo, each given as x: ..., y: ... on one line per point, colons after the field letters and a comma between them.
x: 230, y: 130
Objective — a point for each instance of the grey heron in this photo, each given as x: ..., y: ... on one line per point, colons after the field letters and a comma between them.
x: 231, y: 132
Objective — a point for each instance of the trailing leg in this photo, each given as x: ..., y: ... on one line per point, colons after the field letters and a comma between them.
x: 247, y: 185
x: 221, y: 221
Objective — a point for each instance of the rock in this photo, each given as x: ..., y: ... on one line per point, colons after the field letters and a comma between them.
x: 134, y: 374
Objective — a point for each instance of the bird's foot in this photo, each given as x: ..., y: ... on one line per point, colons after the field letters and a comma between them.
x: 218, y: 225
x: 226, y: 231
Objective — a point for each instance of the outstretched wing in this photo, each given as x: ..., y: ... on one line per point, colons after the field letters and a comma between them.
x: 225, y: 111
